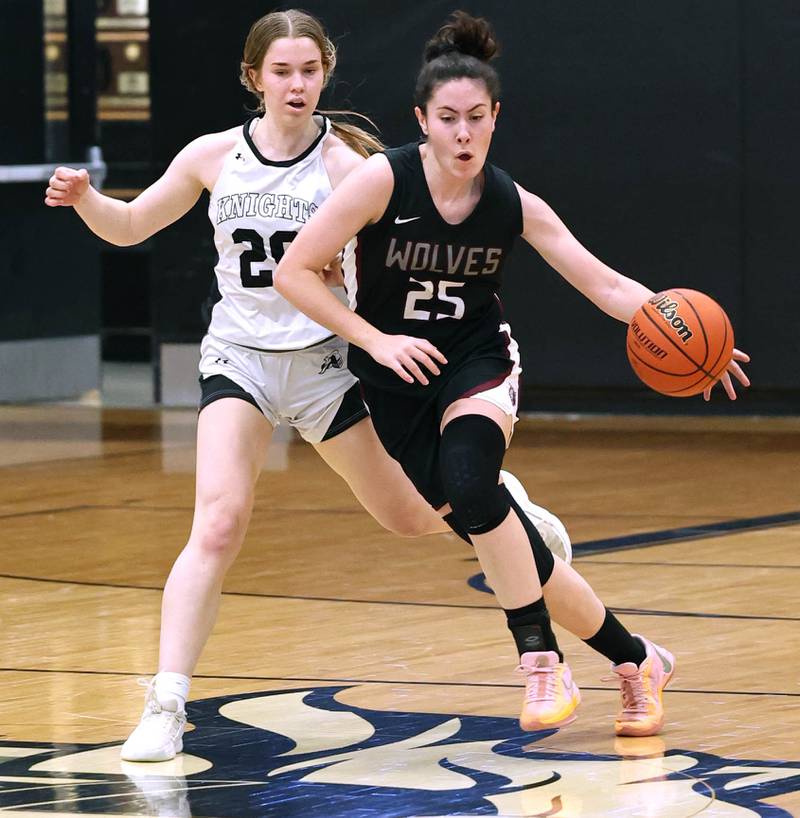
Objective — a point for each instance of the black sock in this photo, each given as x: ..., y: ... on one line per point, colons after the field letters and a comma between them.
x: 530, y: 627
x: 615, y: 642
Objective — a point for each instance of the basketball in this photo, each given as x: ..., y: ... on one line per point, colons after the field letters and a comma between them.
x: 679, y: 342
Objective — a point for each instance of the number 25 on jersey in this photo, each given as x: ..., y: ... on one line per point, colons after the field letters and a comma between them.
x: 416, y: 297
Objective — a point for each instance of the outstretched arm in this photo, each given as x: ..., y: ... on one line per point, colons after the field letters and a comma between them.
x: 126, y: 223
x: 360, y: 199
x: 612, y: 292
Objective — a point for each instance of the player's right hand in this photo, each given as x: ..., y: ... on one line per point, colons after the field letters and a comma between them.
x: 66, y: 188
x: 404, y: 354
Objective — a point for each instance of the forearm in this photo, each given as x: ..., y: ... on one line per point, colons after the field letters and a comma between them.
x: 613, y: 293
x: 304, y: 289
x: 108, y: 218
x: 625, y: 297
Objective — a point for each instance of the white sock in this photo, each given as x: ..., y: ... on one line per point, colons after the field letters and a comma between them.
x: 172, y: 690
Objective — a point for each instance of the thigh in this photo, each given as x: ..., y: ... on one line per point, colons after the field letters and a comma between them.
x: 476, y: 406
x: 408, y: 429
x: 378, y: 481
x: 232, y: 440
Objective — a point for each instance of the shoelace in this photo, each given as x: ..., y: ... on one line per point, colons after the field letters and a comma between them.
x: 151, y: 703
x: 634, y: 696
x: 540, y: 683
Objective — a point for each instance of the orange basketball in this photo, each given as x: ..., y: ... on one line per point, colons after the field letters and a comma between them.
x: 680, y: 342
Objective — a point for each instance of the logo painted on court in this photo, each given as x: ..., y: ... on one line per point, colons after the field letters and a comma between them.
x: 303, y: 752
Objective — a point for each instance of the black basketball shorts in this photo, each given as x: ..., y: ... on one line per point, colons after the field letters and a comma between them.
x: 408, y: 426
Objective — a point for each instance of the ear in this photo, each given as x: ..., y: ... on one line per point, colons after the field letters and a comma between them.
x: 495, y: 112
x: 421, y: 119
x: 254, y: 81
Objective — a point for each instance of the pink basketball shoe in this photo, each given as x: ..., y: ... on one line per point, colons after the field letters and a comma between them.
x: 642, y: 691
x: 551, y: 695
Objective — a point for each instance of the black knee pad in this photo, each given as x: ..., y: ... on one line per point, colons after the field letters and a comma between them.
x: 470, y: 457
x: 456, y: 527
x: 545, y: 561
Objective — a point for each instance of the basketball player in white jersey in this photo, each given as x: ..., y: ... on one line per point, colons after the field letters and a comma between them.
x: 263, y: 362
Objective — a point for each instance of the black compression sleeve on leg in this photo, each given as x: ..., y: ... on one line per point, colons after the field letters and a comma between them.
x: 470, y: 456
x: 545, y: 562
x: 457, y: 528
x: 530, y: 627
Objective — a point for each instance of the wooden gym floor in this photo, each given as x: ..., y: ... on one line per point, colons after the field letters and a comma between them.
x: 353, y: 673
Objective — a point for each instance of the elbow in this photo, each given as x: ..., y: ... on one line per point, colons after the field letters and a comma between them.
x: 285, y: 282
x: 279, y: 280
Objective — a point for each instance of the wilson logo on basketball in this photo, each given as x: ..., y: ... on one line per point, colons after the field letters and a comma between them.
x: 668, y: 310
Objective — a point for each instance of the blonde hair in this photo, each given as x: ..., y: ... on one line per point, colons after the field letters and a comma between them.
x: 295, y: 23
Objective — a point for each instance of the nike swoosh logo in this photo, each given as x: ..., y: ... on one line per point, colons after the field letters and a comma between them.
x: 398, y: 220
x: 664, y: 661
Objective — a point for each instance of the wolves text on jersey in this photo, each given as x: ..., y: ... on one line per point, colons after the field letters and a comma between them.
x: 418, y: 256
x: 265, y: 206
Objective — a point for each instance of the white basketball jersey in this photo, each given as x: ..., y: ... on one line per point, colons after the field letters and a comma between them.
x: 257, y: 207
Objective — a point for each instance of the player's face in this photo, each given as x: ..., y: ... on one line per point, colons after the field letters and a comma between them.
x: 291, y: 77
x: 459, y: 121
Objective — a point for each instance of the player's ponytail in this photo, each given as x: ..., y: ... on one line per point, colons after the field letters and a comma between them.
x: 462, y: 47
x: 361, y: 141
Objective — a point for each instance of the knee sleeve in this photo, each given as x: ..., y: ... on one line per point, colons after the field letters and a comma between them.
x: 456, y: 527
x: 470, y: 457
x: 545, y: 562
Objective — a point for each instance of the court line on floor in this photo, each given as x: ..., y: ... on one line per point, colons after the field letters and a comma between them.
x: 181, y: 509
x: 640, y: 540
x: 316, y: 679
x: 609, y: 544
x: 674, y: 564
x: 696, y: 532
x: 280, y: 510
x: 751, y: 566
x: 353, y: 601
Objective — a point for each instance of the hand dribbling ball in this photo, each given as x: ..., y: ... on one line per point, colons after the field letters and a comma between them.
x: 680, y: 342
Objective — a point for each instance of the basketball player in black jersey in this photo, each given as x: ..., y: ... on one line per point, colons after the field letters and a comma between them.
x: 435, y: 223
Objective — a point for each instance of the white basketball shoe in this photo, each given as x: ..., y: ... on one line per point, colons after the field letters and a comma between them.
x: 159, y: 734
x: 548, y: 525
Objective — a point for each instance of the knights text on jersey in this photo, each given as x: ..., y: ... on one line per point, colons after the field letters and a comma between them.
x: 257, y: 207
x: 418, y: 275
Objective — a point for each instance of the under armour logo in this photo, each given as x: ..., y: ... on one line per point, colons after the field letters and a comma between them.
x: 333, y: 360
x: 223, y: 361
x: 238, y: 156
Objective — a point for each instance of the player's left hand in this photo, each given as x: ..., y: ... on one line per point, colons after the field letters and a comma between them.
x: 733, y: 369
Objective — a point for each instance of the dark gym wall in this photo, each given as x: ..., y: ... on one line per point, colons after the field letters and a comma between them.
x: 663, y: 134
x: 22, y: 88
x: 48, y: 261
x: 771, y: 194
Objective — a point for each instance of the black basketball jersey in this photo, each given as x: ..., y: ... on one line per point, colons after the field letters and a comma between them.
x: 418, y: 275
